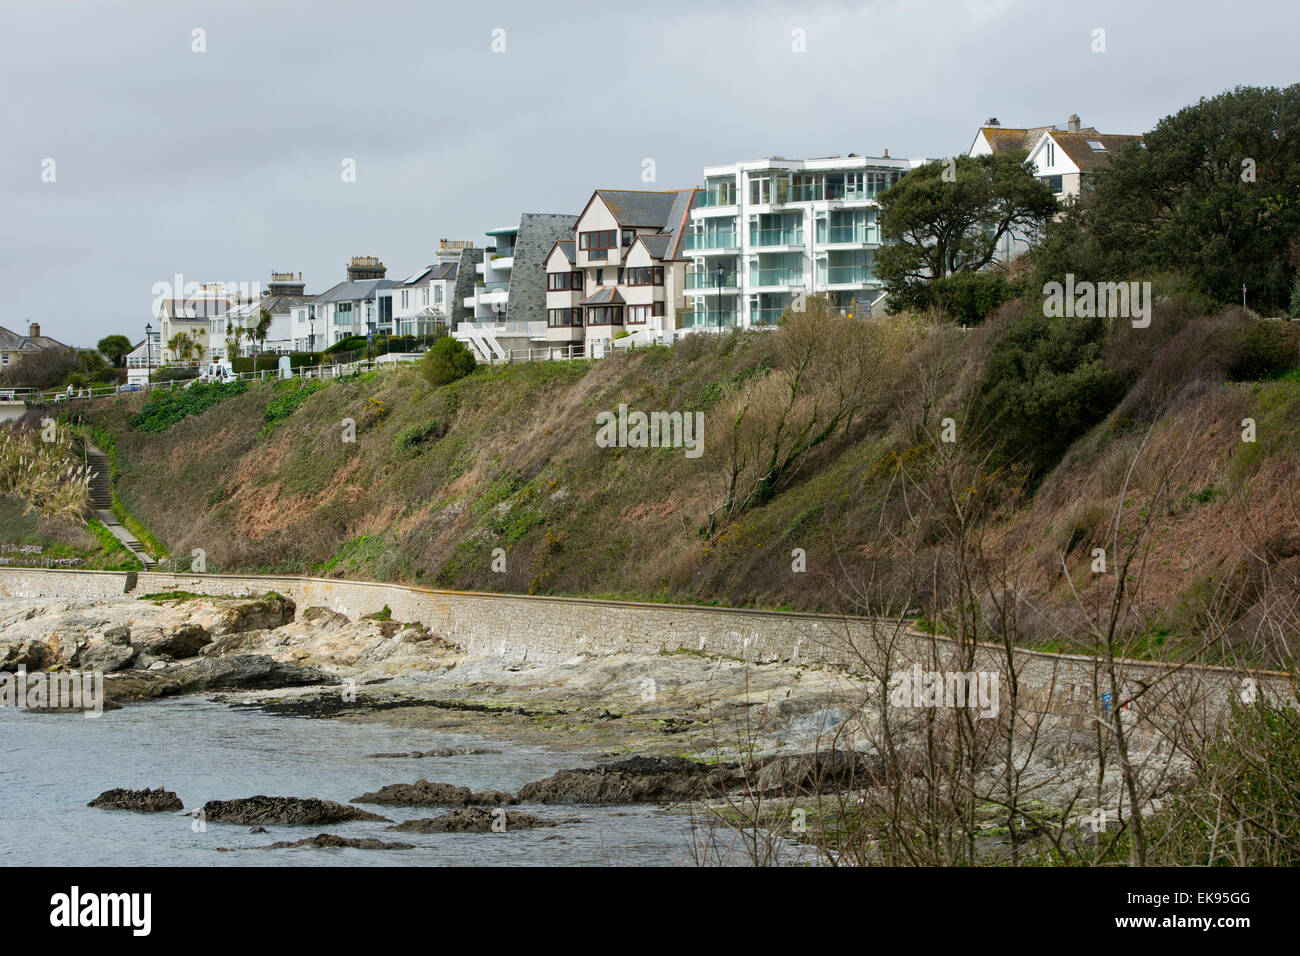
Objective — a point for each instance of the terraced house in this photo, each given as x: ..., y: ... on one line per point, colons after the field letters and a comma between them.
x: 765, y: 232
x: 620, y: 278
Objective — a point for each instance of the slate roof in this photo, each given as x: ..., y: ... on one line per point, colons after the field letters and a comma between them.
x: 441, y: 270
x: 606, y: 295
x: 636, y: 207
x: 13, y: 342
x: 660, y: 246
x: 353, y: 291
x: 569, y: 248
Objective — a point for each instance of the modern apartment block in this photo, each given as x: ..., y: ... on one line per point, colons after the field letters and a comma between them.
x: 620, y: 276
x: 767, y: 231
x: 508, y: 302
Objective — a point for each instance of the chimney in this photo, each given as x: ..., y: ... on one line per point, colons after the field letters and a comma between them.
x: 284, y: 283
x: 1072, y: 124
x: 992, y: 121
x: 35, y: 330
x: 366, y: 267
x: 886, y: 156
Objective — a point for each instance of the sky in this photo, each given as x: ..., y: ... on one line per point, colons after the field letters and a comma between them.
x: 227, y: 162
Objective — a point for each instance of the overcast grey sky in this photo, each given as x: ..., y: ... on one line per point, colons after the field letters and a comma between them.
x: 224, y: 165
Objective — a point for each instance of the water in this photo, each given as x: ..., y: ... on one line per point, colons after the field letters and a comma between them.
x: 54, y: 764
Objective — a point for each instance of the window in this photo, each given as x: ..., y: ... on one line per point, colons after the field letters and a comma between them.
x: 1051, y: 154
x: 640, y: 314
x: 600, y: 277
x: 563, y: 318
x: 437, y: 294
x: 563, y: 281
x: 405, y: 298
x: 646, y: 275
x: 629, y: 237
x: 605, y: 315
x: 1054, y: 182
x: 598, y: 244
x: 620, y: 275
x: 1097, y: 145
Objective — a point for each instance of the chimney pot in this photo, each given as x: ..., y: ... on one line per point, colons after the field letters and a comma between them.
x: 1073, y: 124
x: 35, y: 330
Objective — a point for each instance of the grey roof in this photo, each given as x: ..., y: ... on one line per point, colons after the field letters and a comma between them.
x: 353, y: 291
x: 606, y: 295
x: 13, y: 342
x: 677, y: 217
x: 441, y: 270
x: 658, y: 246
x: 636, y: 207
x: 569, y: 248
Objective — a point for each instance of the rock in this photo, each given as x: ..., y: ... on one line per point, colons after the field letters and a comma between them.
x: 442, y: 752
x: 818, y: 772
x: 476, y: 820
x: 261, y: 614
x: 238, y: 672
x: 422, y: 793
x: 258, y: 830
x: 105, y: 657
x: 139, y: 801
x: 325, y: 617
x: 176, y: 642
x: 635, y: 780
x: 287, y: 810
x: 330, y: 840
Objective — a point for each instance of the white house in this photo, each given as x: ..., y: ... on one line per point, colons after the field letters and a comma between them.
x: 427, y: 301
x: 285, y: 291
x: 357, y: 306
x: 193, y: 316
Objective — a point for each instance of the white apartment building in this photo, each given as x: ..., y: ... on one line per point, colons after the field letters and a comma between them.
x: 620, y: 278
x: 765, y: 231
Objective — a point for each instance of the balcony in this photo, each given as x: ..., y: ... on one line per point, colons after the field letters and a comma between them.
x: 855, y: 234
x: 708, y: 319
x: 776, y: 237
x: 768, y: 316
x: 709, y: 280
x: 699, y: 242
x: 783, y: 278
x: 713, y: 199
x: 845, y: 275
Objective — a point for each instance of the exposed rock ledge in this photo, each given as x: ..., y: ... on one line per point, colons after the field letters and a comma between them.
x: 289, y: 810
x: 139, y: 801
x: 423, y: 793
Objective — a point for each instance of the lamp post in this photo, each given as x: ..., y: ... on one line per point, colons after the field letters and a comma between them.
x: 148, y: 353
x: 311, y: 322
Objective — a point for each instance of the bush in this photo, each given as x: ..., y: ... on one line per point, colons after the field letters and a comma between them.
x: 284, y: 405
x: 1294, y: 308
x: 164, y: 409
x: 184, y: 374
x: 968, y: 297
x: 448, y: 360
x: 1044, y: 386
x: 1262, y: 349
x: 410, y: 439
x: 44, y: 369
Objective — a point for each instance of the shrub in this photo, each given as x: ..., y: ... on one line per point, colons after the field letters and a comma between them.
x: 1262, y: 349
x: 176, y: 374
x: 410, y: 439
x: 448, y: 360
x: 1044, y: 386
x: 284, y: 405
x: 1294, y: 308
x: 164, y: 409
x: 968, y: 297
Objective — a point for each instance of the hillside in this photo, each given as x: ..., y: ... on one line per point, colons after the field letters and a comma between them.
x: 825, y: 436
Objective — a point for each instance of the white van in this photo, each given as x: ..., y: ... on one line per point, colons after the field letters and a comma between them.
x: 217, y: 372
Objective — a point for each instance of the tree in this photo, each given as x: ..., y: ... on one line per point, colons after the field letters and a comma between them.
x: 234, y: 333
x: 1214, y: 195
x: 949, y: 217
x: 115, y: 349
x: 446, y: 361
x: 259, y: 332
x: 182, y: 345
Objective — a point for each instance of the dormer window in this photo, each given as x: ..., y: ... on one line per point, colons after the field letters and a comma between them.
x: 1097, y: 145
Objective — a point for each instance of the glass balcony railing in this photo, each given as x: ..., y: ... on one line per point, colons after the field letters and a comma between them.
x: 768, y: 316
x: 709, y: 280
x: 777, y: 277
x: 712, y: 240
x: 495, y: 287
x: 835, y: 193
x: 716, y: 198
x: 776, y: 237
x: 841, y: 275
x: 855, y: 233
x: 709, y: 319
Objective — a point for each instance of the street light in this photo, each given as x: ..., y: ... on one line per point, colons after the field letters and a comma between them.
x: 148, y: 352
x: 311, y: 322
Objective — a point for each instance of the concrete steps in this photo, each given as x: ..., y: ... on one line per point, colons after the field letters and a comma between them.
x: 101, y: 498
